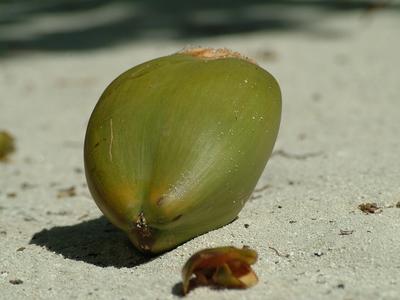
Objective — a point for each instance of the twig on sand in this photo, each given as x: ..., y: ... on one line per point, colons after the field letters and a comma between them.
x: 278, y: 253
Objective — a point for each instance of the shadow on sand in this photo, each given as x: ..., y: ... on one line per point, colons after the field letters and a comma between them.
x: 95, y: 242
x: 70, y: 25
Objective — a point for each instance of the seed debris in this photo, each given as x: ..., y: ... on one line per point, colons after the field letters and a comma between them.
x: 369, y: 208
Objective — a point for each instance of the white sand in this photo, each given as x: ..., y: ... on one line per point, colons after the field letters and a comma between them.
x: 341, y: 102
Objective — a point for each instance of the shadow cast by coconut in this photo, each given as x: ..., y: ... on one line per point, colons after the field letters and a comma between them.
x: 95, y: 242
x: 177, y: 290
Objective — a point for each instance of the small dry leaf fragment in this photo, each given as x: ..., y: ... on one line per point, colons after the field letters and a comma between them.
x: 7, y: 145
x: 369, y: 208
x: 16, y: 281
x: 346, y: 232
x: 27, y: 185
x: 226, y: 267
x: 68, y: 192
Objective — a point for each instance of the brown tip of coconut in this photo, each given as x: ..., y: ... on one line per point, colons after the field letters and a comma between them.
x: 211, y: 53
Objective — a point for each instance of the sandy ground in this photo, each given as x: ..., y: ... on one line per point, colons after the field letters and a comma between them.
x: 338, y: 147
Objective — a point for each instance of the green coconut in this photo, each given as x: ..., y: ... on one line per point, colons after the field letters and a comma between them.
x: 176, y: 145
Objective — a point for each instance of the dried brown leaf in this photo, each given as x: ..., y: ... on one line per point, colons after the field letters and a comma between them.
x: 369, y: 208
x: 224, y: 267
